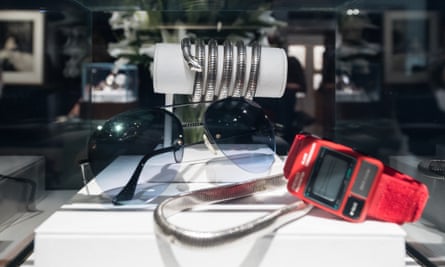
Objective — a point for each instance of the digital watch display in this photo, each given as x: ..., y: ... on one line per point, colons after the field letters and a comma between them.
x: 330, y: 177
x: 342, y: 181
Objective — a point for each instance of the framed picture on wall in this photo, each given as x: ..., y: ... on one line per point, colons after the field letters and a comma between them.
x: 21, y: 46
x: 410, y: 43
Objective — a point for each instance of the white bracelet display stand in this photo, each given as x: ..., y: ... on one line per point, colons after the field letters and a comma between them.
x: 171, y: 74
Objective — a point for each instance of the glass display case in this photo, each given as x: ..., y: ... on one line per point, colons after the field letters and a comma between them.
x: 108, y: 83
x: 107, y: 89
x: 370, y: 75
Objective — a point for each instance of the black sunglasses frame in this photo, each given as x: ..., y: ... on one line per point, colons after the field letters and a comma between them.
x: 128, y: 191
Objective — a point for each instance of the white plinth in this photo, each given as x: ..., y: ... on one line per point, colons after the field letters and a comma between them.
x: 94, y: 233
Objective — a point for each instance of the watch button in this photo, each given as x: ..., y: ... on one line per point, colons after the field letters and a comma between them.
x: 353, y: 208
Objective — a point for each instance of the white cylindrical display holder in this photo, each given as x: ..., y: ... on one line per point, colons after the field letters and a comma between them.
x: 171, y: 74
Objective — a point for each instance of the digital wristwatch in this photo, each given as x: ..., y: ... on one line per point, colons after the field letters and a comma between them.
x: 344, y: 182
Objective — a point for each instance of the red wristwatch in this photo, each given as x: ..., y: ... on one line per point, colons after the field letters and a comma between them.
x: 344, y: 182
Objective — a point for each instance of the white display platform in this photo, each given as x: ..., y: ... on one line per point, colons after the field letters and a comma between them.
x: 91, y: 232
x: 18, y: 235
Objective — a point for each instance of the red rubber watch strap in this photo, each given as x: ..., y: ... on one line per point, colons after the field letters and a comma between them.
x: 398, y: 198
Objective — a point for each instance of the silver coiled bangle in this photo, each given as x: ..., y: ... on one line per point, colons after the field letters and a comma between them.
x: 227, y: 70
x: 258, y: 227
x: 254, y: 71
x: 192, y: 62
x: 211, y: 71
x: 198, y: 85
x: 240, y: 69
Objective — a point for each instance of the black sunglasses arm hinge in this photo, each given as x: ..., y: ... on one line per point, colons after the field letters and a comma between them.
x: 127, y: 193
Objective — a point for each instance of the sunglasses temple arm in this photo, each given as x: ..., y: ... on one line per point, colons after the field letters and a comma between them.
x: 127, y: 193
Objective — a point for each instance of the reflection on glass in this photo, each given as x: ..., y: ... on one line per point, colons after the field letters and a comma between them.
x: 318, y: 57
x: 298, y: 51
x: 317, y: 79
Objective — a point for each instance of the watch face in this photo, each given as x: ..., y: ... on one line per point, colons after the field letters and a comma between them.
x: 330, y: 177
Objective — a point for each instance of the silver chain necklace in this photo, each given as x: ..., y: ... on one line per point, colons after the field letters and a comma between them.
x: 258, y: 227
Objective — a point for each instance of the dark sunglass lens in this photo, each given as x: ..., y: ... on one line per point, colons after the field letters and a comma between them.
x: 133, y: 133
x: 242, y: 131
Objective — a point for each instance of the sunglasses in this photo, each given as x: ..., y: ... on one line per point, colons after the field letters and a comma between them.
x: 238, y: 127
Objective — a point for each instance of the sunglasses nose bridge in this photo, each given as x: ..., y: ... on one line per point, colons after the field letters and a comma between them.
x: 209, y: 145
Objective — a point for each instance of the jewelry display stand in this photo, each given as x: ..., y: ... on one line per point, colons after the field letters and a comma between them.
x: 171, y: 75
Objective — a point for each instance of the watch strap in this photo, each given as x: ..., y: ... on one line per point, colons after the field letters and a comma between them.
x: 398, y: 198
